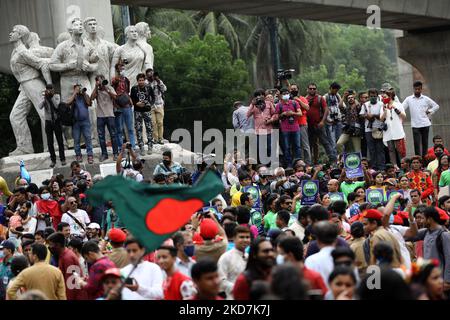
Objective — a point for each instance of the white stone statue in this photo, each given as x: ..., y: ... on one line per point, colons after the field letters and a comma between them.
x: 131, y: 55
x: 144, y: 34
x: 105, y: 49
x: 25, y: 66
x: 74, y: 59
x: 45, y: 53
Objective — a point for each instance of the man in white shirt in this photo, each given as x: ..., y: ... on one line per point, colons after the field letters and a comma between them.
x: 78, y: 219
x: 233, y: 262
x: 421, y: 108
x: 146, y: 279
x: 183, y: 242
x: 322, y: 262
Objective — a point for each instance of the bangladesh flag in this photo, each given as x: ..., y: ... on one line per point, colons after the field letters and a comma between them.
x: 152, y: 213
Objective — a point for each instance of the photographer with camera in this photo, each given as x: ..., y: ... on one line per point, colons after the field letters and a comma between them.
x: 143, y: 98
x: 351, y: 131
x: 131, y: 167
x: 50, y: 104
x: 123, y: 110
x: 317, y: 115
x: 288, y: 112
x: 105, y: 95
x: 393, y: 116
x: 263, y: 112
x: 157, y: 112
x: 334, y: 118
x: 302, y: 121
x: 80, y: 103
x: 371, y: 111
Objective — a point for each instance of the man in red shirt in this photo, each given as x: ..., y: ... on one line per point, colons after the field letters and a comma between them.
x: 290, y: 249
x: 418, y: 179
x: 206, y: 279
x: 261, y: 259
x: 176, y: 286
x: 302, y: 122
x: 430, y: 153
x: 317, y: 115
x: 68, y: 263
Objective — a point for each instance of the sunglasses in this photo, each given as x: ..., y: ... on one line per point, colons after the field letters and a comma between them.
x: 312, y: 88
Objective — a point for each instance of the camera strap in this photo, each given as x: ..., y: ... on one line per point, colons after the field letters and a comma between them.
x: 76, y: 221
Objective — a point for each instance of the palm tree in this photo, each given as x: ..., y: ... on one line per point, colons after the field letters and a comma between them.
x: 234, y: 28
x: 300, y: 45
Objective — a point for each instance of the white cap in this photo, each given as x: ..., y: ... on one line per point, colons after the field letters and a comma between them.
x: 94, y: 225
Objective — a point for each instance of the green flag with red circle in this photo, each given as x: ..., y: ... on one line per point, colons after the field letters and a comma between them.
x: 152, y: 213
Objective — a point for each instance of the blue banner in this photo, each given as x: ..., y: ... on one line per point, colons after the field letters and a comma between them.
x: 390, y: 194
x: 256, y: 195
x: 375, y: 196
x: 336, y: 196
x: 353, y: 166
x: 310, y: 191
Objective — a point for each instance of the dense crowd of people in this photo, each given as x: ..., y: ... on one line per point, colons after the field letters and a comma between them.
x: 258, y: 239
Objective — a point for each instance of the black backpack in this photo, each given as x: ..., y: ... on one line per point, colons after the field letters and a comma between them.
x: 65, y: 114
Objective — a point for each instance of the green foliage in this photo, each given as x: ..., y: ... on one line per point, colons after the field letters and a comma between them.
x: 202, y: 79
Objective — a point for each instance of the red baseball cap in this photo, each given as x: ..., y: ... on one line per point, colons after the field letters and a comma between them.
x: 117, y: 235
x: 208, y: 229
x: 115, y: 272
x: 373, y: 214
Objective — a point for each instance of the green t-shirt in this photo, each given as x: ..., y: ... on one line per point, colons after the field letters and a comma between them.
x: 269, y: 221
x: 445, y: 179
x: 347, y: 188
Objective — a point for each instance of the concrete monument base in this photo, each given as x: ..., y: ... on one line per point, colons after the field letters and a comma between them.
x: 38, y: 165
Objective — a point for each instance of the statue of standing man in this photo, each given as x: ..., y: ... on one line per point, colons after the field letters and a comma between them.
x: 131, y: 55
x: 144, y: 34
x: 26, y: 68
x: 74, y: 59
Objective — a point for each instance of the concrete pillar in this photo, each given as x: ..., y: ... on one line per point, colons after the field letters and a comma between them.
x: 48, y: 18
x: 430, y: 54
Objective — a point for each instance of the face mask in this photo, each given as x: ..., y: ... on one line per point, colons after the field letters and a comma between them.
x: 386, y: 100
x: 122, y: 73
x: 294, y: 93
x: 189, y: 250
x: 2, y: 254
x: 166, y: 162
x: 45, y: 196
x: 280, y: 259
x: 256, y: 178
x: 373, y: 100
x: 438, y: 154
x: 286, y: 97
x: 391, y: 219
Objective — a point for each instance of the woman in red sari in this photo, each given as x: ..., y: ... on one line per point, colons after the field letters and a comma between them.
x: 46, y: 205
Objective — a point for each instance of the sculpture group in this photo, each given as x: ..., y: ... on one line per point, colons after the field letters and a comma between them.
x: 81, y: 54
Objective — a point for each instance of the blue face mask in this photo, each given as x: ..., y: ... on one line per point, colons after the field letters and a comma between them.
x: 2, y: 254
x: 189, y: 250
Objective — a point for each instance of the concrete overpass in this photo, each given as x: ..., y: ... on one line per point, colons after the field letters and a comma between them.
x: 425, y: 45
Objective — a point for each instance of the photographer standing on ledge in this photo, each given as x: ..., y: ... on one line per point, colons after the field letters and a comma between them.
x: 105, y: 95
x: 351, y: 131
x: 53, y: 124
x: 334, y: 118
x: 288, y: 112
x: 80, y: 103
x: 143, y: 98
x: 393, y: 114
x: 132, y: 167
x: 157, y: 113
x: 264, y: 114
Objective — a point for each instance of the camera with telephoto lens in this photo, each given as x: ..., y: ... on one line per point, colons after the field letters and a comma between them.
x: 285, y: 74
x: 260, y: 103
x: 128, y: 146
x: 334, y: 116
x: 104, y: 82
x: 384, y: 126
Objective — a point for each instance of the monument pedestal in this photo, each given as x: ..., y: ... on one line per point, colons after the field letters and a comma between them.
x: 38, y: 164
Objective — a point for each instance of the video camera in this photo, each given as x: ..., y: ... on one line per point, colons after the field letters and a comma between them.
x: 285, y: 74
